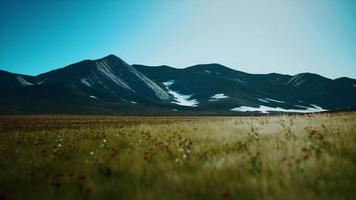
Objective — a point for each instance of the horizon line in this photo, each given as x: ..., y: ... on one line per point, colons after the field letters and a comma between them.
x: 164, y: 65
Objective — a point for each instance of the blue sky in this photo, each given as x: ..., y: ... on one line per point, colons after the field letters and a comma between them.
x: 261, y: 36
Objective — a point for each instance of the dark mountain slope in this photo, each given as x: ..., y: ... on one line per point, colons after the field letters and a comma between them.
x: 203, y: 81
x: 111, y: 86
x: 120, y: 80
x: 11, y: 80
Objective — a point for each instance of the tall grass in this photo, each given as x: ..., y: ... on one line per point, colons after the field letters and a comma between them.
x: 278, y: 157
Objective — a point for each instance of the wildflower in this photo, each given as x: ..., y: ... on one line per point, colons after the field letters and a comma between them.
x: 82, y: 177
x: 59, y: 145
x: 104, y: 140
x: 88, y: 190
x: 188, y: 142
x: 91, y: 153
x: 166, y: 146
x: 225, y: 195
x: 185, y: 156
x: 177, y: 160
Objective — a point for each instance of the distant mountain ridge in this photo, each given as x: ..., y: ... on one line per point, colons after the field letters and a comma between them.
x: 111, y: 86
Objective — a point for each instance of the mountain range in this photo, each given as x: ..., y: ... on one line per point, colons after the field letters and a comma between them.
x: 111, y: 86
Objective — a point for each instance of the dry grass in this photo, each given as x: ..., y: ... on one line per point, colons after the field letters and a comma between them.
x: 103, y: 157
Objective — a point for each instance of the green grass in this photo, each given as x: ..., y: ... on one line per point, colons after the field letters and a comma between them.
x: 103, y: 157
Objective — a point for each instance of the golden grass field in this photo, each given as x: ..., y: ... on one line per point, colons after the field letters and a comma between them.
x: 107, y: 157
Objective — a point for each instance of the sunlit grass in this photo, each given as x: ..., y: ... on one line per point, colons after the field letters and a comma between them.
x: 279, y: 157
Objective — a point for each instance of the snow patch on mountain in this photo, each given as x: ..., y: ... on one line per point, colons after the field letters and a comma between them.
x: 85, y: 82
x: 296, y: 80
x: 266, y: 109
x: 180, y: 99
x: 39, y: 83
x: 240, y: 81
x: 216, y: 97
x: 106, y: 70
x: 301, y: 106
x: 159, y: 92
x: 183, y: 100
x: 23, y: 81
x: 318, y: 107
x: 168, y: 83
x: 268, y: 100
x: 263, y: 100
x: 93, y: 97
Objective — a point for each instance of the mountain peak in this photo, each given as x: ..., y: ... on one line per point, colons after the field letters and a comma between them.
x: 111, y: 85
x: 211, y: 67
x: 111, y: 56
x: 310, y: 75
x: 113, y: 59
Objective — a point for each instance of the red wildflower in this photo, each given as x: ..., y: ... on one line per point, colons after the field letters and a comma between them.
x: 225, y: 195
x: 88, y: 190
x: 82, y: 177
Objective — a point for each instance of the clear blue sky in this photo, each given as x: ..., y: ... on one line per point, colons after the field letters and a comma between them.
x: 284, y: 36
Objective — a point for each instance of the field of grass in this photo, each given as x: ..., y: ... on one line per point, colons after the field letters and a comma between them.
x: 107, y: 157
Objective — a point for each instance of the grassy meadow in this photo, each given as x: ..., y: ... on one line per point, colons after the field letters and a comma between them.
x: 109, y: 157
